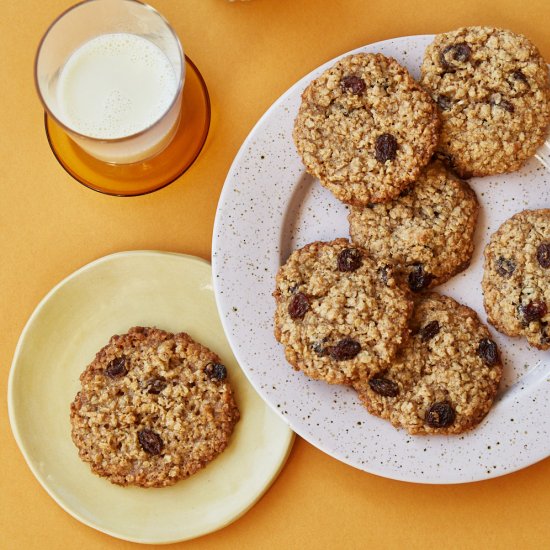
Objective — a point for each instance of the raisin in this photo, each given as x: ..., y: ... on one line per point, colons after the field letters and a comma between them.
x: 298, y: 306
x: 353, y: 85
x: 418, y: 278
x: 350, y: 259
x: 518, y: 75
x: 533, y: 311
x: 488, y: 351
x: 216, y: 371
x: 150, y: 441
x: 457, y: 52
x: 116, y: 368
x: 345, y: 349
x: 505, y: 268
x: 503, y: 104
x: 444, y: 102
x: 385, y: 148
x: 440, y: 415
x: 156, y: 385
x: 429, y: 331
x: 384, y: 386
x: 462, y: 52
x: 406, y: 192
x: 543, y: 255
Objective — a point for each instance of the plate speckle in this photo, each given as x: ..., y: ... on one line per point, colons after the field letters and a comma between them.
x: 269, y: 207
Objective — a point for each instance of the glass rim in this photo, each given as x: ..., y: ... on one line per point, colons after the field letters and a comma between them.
x: 130, y: 136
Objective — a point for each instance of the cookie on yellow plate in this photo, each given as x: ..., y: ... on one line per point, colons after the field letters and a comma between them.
x: 154, y: 408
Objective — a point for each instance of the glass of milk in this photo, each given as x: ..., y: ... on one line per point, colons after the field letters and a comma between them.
x: 111, y: 73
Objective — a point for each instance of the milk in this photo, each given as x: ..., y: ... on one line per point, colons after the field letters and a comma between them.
x: 115, y: 86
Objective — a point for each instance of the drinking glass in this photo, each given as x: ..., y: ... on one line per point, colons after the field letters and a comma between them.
x: 142, y: 160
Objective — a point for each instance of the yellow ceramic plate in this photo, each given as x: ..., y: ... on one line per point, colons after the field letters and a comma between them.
x: 170, y: 291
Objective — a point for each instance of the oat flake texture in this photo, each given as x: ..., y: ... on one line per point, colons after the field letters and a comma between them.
x: 516, y: 277
x: 356, y: 315
x: 152, y: 409
x: 365, y: 128
x: 493, y: 91
x: 431, y: 225
x: 440, y: 370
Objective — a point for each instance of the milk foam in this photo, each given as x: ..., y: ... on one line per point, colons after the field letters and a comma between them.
x: 115, y: 85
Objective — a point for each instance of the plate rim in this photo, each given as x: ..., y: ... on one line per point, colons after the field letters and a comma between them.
x: 224, y: 196
x: 12, y: 416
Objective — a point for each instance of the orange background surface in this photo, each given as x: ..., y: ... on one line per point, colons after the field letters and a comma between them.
x: 249, y: 54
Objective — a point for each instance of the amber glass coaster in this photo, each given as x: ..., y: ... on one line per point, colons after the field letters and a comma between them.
x: 143, y: 177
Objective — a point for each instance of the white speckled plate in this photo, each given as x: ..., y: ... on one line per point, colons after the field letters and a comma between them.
x: 269, y: 207
x: 170, y: 291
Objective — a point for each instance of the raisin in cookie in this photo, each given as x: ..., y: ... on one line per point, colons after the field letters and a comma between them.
x: 493, y: 91
x: 339, y: 315
x: 365, y: 128
x: 516, y: 280
x: 154, y: 408
x: 427, y: 232
x: 445, y: 379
